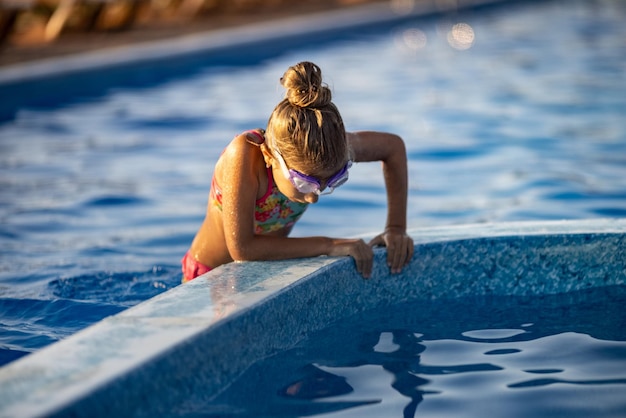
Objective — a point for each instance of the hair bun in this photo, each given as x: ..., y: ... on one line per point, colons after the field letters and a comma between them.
x: 304, y: 86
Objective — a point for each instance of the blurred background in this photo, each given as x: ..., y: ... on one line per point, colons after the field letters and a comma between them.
x: 33, y: 29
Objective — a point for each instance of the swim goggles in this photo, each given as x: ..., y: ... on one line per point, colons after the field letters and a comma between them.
x: 307, y: 184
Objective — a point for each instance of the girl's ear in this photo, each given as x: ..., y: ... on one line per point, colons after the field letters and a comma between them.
x: 267, y: 155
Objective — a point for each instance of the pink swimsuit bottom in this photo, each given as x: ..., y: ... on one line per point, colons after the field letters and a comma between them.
x: 192, y: 268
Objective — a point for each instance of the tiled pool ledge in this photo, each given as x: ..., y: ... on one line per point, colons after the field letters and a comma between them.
x: 199, y: 336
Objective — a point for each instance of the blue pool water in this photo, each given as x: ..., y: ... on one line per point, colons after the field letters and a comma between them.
x: 101, y: 193
x: 555, y: 355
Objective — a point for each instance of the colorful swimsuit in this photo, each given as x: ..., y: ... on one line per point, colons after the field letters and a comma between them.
x: 272, y: 212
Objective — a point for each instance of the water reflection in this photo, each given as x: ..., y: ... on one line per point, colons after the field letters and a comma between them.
x: 378, y: 364
x: 316, y: 383
x: 414, y: 39
x: 461, y: 36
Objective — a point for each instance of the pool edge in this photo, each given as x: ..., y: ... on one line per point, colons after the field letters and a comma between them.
x: 101, y: 368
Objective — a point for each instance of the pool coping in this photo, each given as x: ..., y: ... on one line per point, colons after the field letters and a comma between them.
x: 103, y: 369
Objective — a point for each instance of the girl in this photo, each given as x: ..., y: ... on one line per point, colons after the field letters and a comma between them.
x: 264, y: 181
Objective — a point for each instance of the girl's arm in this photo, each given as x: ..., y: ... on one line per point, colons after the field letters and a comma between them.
x: 390, y: 150
x: 240, y: 167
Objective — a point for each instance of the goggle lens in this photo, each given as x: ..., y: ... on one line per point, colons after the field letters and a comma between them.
x: 307, y: 184
x: 303, y: 185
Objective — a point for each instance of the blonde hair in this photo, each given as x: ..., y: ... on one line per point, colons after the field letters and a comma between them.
x: 306, y: 126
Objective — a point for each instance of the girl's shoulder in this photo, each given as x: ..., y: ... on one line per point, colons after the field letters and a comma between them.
x: 241, y: 160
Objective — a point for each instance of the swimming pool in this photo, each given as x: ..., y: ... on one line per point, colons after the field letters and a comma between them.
x: 469, y: 357
x: 103, y: 189
x: 525, y: 319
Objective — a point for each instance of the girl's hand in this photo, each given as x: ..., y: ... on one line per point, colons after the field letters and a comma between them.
x: 362, y: 254
x: 399, y: 248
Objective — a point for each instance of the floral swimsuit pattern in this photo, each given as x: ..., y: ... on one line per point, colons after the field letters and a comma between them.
x: 272, y: 212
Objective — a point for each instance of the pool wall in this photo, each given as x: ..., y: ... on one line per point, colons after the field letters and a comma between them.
x: 200, y: 336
